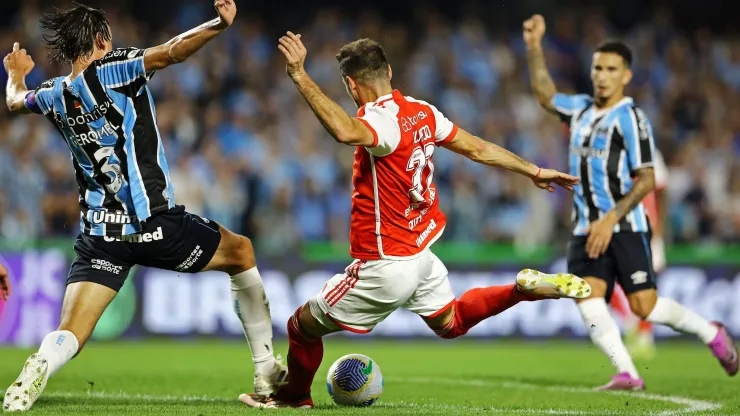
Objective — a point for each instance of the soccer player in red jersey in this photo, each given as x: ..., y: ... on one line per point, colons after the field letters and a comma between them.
x: 395, y: 218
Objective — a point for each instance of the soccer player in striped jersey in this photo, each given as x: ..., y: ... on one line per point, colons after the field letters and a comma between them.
x: 611, y: 144
x: 104, y: 112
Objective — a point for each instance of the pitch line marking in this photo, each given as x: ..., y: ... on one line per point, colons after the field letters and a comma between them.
x: 690, y: 405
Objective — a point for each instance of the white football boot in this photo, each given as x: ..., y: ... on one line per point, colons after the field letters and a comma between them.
x: 267, y: 384
x: 29, y: 385
x: 561, y: 285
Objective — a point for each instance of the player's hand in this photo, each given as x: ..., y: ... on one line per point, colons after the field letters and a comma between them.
x: 226, y: 10
x: 295, y: 54
x: 534, y: 30
x: 599, y: 235
x: 18, y: 61
x: 547, y: 178
x: 4, y: 283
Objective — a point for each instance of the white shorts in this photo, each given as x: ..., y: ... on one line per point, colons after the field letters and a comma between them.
x: 370, y: 290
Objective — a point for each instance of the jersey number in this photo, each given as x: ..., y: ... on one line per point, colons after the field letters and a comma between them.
x: 420, y: 159
x: 111, y: 170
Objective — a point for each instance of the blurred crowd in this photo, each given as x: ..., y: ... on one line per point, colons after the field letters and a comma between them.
x: 245, y: 149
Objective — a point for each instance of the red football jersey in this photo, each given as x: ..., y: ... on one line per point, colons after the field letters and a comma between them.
x: 395, y: 211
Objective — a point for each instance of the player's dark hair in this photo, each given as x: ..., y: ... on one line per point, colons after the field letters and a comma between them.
x: 70, y: 33
x: 363, y: 60
x: 619, y: 48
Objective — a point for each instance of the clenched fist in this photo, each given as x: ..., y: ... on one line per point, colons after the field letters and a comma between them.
x: 534, y: 30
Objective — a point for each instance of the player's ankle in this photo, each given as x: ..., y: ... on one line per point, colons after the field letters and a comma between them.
x: 266, y: 367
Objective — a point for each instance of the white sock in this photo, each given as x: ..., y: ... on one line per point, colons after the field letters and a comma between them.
x: 670, y: 313
x: 605, y: 334
x: 252, y: 308
x: 59, y: 347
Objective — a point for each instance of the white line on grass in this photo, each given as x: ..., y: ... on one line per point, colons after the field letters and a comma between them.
x: 690, y: 405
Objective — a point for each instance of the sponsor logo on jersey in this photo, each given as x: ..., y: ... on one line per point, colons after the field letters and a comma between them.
x: 118, y: 217
x: 407, y: 123
x: 585, y: 151
x: 432, y: 225
x: 98, y: 112
x: 138, y: 238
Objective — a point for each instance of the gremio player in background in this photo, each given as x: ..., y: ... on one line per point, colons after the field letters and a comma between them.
x: 105, y: 114
x: 611, y: 143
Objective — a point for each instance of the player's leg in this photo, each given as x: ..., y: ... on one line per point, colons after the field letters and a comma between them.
x: 235, y: 256
x: 188, y: 243
x: 95, y: 278
x: 638, y: 279
x: 450, y: 318
x: 355, y: 301
x: 601, y: 326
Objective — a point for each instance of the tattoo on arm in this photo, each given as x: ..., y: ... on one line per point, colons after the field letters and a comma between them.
x: 542, y: 84
x: 640, y: 189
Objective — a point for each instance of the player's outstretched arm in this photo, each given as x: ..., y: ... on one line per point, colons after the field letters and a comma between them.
x: 540, y: 79
x: 182, y: 46
x: 18, y: 64
x: 487, y: 153
x: 336, y: 121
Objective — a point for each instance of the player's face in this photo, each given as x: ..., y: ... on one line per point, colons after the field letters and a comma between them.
x: 609, y: 74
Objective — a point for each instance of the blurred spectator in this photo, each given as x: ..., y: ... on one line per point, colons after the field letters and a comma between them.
x: 245, y: 150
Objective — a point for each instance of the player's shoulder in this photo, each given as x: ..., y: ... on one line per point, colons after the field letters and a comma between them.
x: 48, y: 84
x: 120, y: 55
x: 47, y: 87
x: 630, y: 109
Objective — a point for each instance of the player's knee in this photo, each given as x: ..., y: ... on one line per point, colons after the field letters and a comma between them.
x: 240, y: 255
x: 303, y: 324
x: 643, y: 302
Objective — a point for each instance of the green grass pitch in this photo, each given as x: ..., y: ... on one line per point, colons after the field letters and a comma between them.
x: 432, y: 377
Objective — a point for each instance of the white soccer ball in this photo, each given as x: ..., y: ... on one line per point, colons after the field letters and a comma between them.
x: 354, y: 380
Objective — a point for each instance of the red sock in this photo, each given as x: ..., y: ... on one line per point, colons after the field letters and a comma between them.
x: 646, y: 327
x: 304, y: 358
x: 620, y: 304
x: 475, y: 305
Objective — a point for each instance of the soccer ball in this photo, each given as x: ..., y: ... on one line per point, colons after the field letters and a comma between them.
x: 354, y: 380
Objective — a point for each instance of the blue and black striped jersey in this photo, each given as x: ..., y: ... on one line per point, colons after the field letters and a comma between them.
x: 106, y: 115
x: 607, y: 147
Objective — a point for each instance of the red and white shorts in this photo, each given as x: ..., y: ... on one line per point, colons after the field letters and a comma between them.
x: 370, y: 290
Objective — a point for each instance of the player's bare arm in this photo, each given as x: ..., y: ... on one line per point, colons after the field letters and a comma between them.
x: 18, y: 64
x: 662, y: 196
x: 182, y: 46
x: 4, y: 283
x: 600, y: 232
x: 336, y: 121
x: 487, y: 153
x: 540, y: 79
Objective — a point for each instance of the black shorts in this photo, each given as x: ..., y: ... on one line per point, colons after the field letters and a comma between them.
x: 627, y: 261
x: 172, y: 240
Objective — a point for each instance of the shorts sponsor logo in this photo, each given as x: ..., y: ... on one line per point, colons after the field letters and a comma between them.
x: 639, y: 277
x: 425, y: 234
x: 138, y: 238
x: 191, y: 260
x: 106, y: 266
